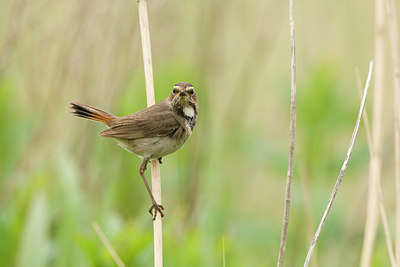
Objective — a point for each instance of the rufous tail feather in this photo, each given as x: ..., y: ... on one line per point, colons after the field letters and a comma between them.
x: 91, y: 113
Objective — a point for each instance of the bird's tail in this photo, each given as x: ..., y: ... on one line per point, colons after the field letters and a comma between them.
x: 91, y: 113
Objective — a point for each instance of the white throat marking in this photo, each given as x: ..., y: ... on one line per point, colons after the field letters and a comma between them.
x: 188, y: 111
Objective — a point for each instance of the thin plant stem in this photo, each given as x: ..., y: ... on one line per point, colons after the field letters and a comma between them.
x: 372, y: 212
x: 386, y: 227
x: 108, y: 245
x: 289, y: 177
x: 342, y: 170
x: 395, y: 46
x: 155, y: 166
x: 365, y: 113
x: 381, y: 205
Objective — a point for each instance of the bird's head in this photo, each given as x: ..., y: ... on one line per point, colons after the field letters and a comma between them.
x: 183, y: 95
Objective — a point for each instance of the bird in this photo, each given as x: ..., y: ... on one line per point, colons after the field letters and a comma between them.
x: 151, y: 133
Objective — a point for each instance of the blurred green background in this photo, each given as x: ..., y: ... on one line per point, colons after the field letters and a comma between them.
x: 228, y: 182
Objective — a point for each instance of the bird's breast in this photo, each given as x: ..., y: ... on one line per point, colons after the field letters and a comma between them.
x: 157, y: 146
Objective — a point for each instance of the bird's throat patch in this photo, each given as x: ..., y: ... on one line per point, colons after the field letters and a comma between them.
x: 188, y: 111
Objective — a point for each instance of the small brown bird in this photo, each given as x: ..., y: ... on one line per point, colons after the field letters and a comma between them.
x: 151, y: 133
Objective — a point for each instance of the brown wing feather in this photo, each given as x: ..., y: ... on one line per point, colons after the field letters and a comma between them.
x: 157, y: 120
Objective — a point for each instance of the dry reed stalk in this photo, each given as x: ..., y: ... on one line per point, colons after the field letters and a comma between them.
x: 376, y: 157
x: 342, y: 170
x: 155, y: 165
x: 286, y: 211
x: 365, y: 114
x: 381, y: 205
x: 108, y: 245
x: 386, y: 227
x: 395, y: 46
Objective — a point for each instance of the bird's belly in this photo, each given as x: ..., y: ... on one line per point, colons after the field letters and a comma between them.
x: 152, y: 147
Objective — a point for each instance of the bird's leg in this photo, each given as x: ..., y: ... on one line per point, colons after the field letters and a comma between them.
x: 160, y: 160
x: 156, y: 207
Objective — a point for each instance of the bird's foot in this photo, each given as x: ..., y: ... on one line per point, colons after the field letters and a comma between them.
x: 143, y: 166
x: 156, y: 208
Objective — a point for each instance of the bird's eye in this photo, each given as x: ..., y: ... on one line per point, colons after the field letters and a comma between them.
x: 191, y: 91
x: 175, y: 91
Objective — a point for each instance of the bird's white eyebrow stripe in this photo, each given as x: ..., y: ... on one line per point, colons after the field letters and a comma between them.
x: 187, y: 88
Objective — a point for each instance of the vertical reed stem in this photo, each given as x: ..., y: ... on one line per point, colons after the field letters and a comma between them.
x: 395, y: 46
x: 342, y: 170
x: 289, y: 177
x: 371, y: 221
x: 155, y: 166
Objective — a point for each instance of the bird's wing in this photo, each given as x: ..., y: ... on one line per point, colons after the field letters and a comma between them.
x: 157, y: 120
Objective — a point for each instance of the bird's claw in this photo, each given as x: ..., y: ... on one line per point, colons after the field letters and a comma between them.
x: 156, y: 208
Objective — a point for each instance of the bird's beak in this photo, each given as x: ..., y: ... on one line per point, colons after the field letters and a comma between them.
x: 182, y: 93
x: 181, y: 96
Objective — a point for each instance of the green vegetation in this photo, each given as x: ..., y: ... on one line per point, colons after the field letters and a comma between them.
x: 57, y: 176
